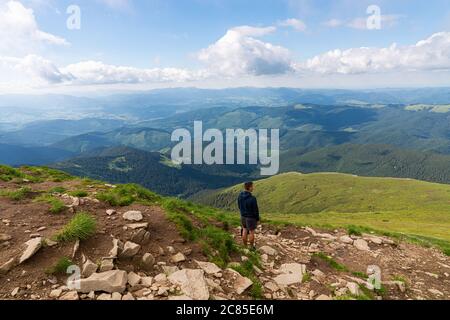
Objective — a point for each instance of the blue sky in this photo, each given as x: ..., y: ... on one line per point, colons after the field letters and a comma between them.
x: 143, y: 44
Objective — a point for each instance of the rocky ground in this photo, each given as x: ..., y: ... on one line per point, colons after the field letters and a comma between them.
x: 137, y: 253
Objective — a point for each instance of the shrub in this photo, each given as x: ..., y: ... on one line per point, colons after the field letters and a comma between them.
x: 82, y: 226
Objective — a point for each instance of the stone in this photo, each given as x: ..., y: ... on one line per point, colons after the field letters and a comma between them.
x: 160, y: 278
x: 290, y: 273
x: 15, y: 292
x: 128, y: 297
x: 89, y: 268
x: 179, y: 257
x: 353, y: 288
x: 5, y: 237
x: 361, y: 244
x: 346, y: 239
x: 110, y: 281
x: 168, y: 270
x: 147, y: 281
x: 163, y: 292
x: 141, y: 237
x: 148, y: 261
x: 31, y: 247
x: 110, y: 212
x: 208, y: 267
x: 272, y: 286
x: 319, y: 274
x: 8, y: 265
x: 135, y: 226
x: 116, y: 296
x: 133, y: 216
x: 71, y: 295
x: 191, y: 282
x: 56, y: 293
x: 170, y: 249
x: 133, y: 279
x: 35, y: 235
x: 107, y: 264
x: 104, y: 297
x: 240, y: 283
x: 268, y: 250
x: 130, y: 249
x: 117, y: 248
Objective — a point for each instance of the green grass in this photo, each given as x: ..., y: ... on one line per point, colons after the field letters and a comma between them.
x: 82, y: 226
x: 331, y: 262
x: 16, y: 195
x: 56, y: 205
x: 79, y: 193
x: 397, y: 206
x: 60, y: 267
x: 127, y: 194
x: 306, y: 277
x: 58, y: 189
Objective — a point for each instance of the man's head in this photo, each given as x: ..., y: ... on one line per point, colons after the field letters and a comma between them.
x: 248, y: 186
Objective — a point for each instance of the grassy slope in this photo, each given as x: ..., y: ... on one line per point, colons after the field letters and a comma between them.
x: 411, y: 207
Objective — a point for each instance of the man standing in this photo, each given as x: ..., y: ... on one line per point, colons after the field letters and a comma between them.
x: 248, y: 206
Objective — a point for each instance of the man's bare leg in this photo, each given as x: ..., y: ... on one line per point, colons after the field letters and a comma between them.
x: 251, y: 238
x: 245, y: 236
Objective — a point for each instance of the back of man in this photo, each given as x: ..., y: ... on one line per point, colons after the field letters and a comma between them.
x: 248, y: 206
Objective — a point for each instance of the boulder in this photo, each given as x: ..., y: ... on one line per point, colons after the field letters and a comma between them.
x: 130, y: 249
x: 133, y: 279
x: 133, y: 216
x: 117, y: 248
x: 148, y: 261
x: 208, y: 267
x: 192, y: 283
x: 239, y: 283
x: 110, y: 212
x: 31, y: 247
x: 346, y: 239
x: 268, y: 250
x: 179, y: 257
x: 290, y: 273
x: 135, y: 226
x: 361, y: 244
x: 89, y: 268
x: 107, y: 264
x: 141, y: 236
x: 110, y: 281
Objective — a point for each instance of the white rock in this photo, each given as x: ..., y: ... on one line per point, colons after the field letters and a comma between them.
x: 104, y: 297
x: 323, y: 297
x: 107, y: 264
x: 290, y: 273
x: 117, y: 246
x: 148, y: 261
x: 179, y: 257
x: 147, y: 281
x: 192, y: 283
x: 71, y: 295
x: 15, y: 292
x: 89, y: 268
x: 346, y: 239
x: 268, y: 250
x: 208, y: 267
x: 110, y: 281
x: 361, y: 244
x: 133, y: 216
x: 31, y: 247
x: 56, y: 293
x: 110, y: 212
x: 240, y: 283
x: 133, y: 279
x: 128, y: 297
x: 160, y: 278
x: 135, y: 226
x: 130, y: 249
x: 116, y: 296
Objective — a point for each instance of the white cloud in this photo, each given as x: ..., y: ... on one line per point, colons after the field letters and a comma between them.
x: 429, y: 54
x: 238, y: 52
x: 296, y: 24
x: 19, y: 32
x: 333, y: 23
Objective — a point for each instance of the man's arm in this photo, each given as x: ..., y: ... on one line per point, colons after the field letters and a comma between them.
x: 256, y: 208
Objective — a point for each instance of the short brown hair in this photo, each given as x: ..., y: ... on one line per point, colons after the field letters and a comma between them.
x: 248, y: 185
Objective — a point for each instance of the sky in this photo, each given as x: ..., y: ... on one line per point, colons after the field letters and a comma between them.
x: 112, y: 45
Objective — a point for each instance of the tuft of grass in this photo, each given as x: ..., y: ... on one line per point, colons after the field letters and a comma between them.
x: 331, y: 262
x: 60, y: 267
x: 82, y: 226
x: 59, y: 190
x: 79, y: 193
x: 127, y: 194
x: 354, y: 230
x: 56, y: 205
x: 16, y: 195
x: 306, y: 277
x: 47, y: 174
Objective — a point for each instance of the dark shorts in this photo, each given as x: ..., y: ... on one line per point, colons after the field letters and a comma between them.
x: 249, y: 223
